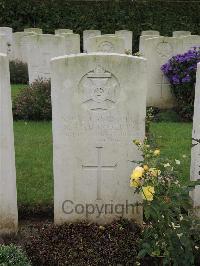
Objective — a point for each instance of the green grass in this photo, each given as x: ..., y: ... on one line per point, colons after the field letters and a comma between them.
x: 33, y: 142
x: 174, y: 140
x: 33, y: 149
x: 15, y: 89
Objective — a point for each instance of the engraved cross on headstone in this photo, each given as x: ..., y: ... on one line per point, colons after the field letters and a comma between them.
x: 99, y: 168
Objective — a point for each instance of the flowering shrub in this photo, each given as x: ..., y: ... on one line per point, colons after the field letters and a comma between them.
x: 33, y: 102
x: 181, y: 72
x: 18, y: 72
x: 169, y: 230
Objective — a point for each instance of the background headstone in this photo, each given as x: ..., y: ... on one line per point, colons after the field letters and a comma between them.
x: 150, y: 32
x: 7, y: 31
x: 88, y: 34
x: 195, y: 152
x: 106, y: 44
x: 142, y: 40
x: 189, y: 42
x: 128, y: 38
x: 40, y: 49
x: 3, y: 44
x: 158, y: 50
x: 60, y: 31
x: 181, y: 33
x: 8, y: 194
x: 18, y: 47
x: 35, y: 30
x: 99, y: 107
x: 72, y: 43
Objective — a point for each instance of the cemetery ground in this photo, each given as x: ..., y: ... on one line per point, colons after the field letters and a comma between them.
x: 46, y: 243
x: 34, y: 153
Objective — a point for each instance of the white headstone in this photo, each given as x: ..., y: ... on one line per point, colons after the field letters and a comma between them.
x: 18, y: 47
x: 72, y: 42
x: 106, y: 44
x: 99, y: 106
x: 3, y: 44
x: 60, y: 31
x: 181, y: 33
x: 158, y: 51
x: 35, y: 30
x: 8, y: 35
x: 189, y: 42
x: 40, y: 48
x: 88, y: 34
x: 128, y: 38
x: 195, y: 152
x: 8, y: 194
x: 150, y: 32
x: 142, y: 40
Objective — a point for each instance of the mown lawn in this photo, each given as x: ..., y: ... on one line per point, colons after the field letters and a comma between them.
x: 33, y: 142
x: 174, y: 140
x: 33, y: 147
x: 16, y: 89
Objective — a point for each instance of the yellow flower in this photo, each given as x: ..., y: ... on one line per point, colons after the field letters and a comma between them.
x: 156, y: 152
x: 154, y: 172
x: 137, y: 142
x: 136, y: 182
x: 148, y: 193
x: 135, y: 176
x: 146, y: 167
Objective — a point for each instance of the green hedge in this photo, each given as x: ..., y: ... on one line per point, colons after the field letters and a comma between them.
x: 164, y: 16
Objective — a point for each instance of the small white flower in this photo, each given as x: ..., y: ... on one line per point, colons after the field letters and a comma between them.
x: 184, y: 156
x: 177, y: 162
x: 166, y: 164
x: 196, y: 247
x: 179, y: 235
x: 181, y: 217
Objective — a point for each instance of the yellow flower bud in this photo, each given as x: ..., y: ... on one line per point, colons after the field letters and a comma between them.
x: 156, y: 152
x: 148, y: 193
x: 146, y: 167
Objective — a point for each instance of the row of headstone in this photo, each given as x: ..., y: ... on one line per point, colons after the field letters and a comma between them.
x: 37, y: 49
x: 15, y: 47
x: 94, y: 123
x: 158, y: 50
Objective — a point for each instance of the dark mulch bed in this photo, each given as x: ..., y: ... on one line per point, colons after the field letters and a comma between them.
x: 79, y: 243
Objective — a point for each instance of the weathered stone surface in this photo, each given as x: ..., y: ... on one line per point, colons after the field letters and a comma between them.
x: 40, y: 48
x: 189, y: 42
x: 8, y: 194
x: 195, y: 151
x: 8, y: 35
x: 158, y: 50
x: 181, y: 33
x: 106, y: 44
x: 3, y: 44
x: 35, y: 30
x: 99, y: 106
x: 60, y: 31
x: 128, y: 39
x: 87, y: 34
x: 18, y: 47
x: 72, y: 43
x: 142, y: 46
x: 150, y: 32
